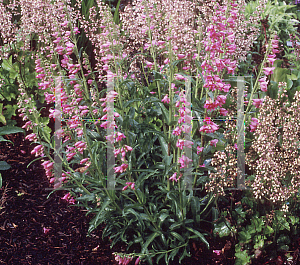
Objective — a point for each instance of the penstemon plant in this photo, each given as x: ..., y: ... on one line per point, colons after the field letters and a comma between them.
x: 131, y: 151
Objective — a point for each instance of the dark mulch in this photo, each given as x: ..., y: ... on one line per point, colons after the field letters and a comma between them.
x: 26, y: 211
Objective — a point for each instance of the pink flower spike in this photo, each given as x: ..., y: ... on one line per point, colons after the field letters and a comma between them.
x: 152, y: 92
x: 214, y: 142
x: 202, y: 165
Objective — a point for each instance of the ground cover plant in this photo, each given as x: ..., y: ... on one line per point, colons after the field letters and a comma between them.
x: 147, y: 96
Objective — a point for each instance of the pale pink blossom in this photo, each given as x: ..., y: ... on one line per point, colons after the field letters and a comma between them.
x: 180, y: 56
x: 257, y: 102
x: 180, y: 143
x: 199, y: 149
x: 173, y: 178
x: 254, y: 124
x: 184, y: 161
x: 223, y: 111
x: 166, y: 99
x: 121, y: 168
x: 268, y: 70
x: 214, y: 142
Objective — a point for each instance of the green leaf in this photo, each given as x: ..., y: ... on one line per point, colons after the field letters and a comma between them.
x: 4, y: 140
x: 173, y: 254
x: 165, y: 113
x: 116, y: 15
x: 87, y: 197
x: 0, y: 181
x: 292, y: 77
x: 222, y: 228
x: 245, y: 236
x: 242, y: 258
x: 197, y: 233
x: 2, y: 119
x: 289, y: 83
x: 129, y: 210
x: 10, y: 130
x: 148, y: 241
x: 164, y: 146
x: 4, y: 165
x: 177, y: 236
x: 99, y: 217
x: 93, y: 135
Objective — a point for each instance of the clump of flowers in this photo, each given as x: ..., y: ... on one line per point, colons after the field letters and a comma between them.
x: 276, y: 142
x: 149, y: 28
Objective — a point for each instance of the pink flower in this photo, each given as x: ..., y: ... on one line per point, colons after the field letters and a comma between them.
x: 199, y: 149
x: 173, y: 178
x: 214, y: 142
x: 186, y: 128
x: 149, y: 64
x: 46, y: 230
x: 180, y: 143
x: 271, y: 60
x: 257, y: 102
x: 180, y: 56
x: 253, y: 125
x: 121, y: 168
x: 210, y: 128
x: 110, y: 138
x: 263, y: 83
x: 268, y: 70
x: 210, y: 105
x: 127, y: 148
x: 131, y: 184
x: 184, y: 161
x: 223, y: 111
x: 176, y: 131
x: 221, y: 99
x: 83, y: 161
x: 179, y: 77
x: 166, y: 99
x: 119, y: 136
x: 218, y: 252
x: 188, y: 144
x: 137, y: 261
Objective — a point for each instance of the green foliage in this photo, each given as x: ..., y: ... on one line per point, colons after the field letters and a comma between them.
x: 260, y: 230
x: 18, y: 68
x: 5, y: 130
